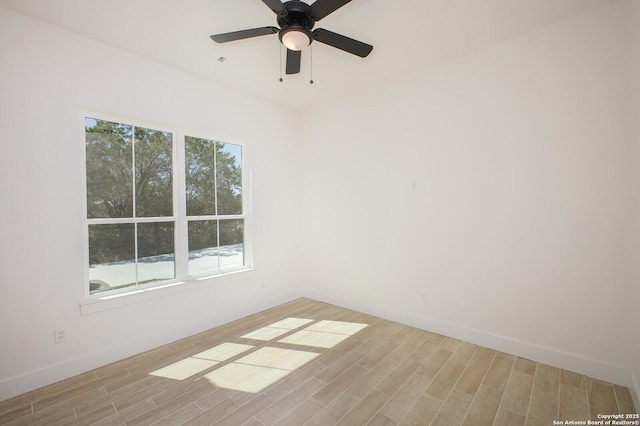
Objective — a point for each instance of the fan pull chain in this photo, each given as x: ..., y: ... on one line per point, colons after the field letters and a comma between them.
x: 311, y: 63
x: 280, y: 48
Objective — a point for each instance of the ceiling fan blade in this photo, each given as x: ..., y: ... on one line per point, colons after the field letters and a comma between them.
x: 322, y: 8
x: 239, y: 35
x: 275, y: 5
x: 341, y: 42
x: 293, y: 61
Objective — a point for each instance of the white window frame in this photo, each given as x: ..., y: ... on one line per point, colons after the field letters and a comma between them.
x: 179, y: 217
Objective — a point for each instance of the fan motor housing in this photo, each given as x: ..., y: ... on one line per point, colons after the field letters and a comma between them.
x: 296, y: 13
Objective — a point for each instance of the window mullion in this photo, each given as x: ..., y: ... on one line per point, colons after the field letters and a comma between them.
x: 135, y: 244
x: 215, y: 194
x: 133, y: 194
x: 180, y: 208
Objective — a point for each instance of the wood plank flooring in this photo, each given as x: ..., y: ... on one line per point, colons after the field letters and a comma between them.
x: 310, y: 363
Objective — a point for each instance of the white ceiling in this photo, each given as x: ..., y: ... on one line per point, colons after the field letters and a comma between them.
x: 407, y: 35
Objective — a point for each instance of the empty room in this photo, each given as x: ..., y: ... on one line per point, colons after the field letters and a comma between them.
x: 332, y: 212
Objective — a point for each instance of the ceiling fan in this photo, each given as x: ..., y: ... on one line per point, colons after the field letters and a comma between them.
x: 296, y: 20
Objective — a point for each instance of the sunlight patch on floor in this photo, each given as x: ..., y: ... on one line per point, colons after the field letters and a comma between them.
x: 245, y: 378
x: 224, y: 351
x: 284, y: 359
x: 259, y: 369
x: 266, y: 333
x: 314, y: 338
x: 277, y: 329
x: 196, y: 364
x: 263, y: 367
x: 184, y: 368
x: 340, y: 327
x: 291, y: 323
x: 324, y: 334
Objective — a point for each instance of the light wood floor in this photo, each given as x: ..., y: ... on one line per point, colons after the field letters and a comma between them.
x: 310, y: 363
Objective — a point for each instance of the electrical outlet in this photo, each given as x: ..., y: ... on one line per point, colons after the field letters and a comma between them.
x: 425, y: 297
x: 60, y: 336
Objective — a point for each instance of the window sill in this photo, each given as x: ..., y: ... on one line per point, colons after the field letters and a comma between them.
x: 114, y: 301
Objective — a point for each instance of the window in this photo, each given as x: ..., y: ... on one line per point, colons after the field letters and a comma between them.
x: 142, y: 203
x: 214, y: 205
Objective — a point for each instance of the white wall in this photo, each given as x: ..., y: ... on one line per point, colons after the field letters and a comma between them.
x: 499, y: 184
x: 46, y: 76
x: 634, y: 25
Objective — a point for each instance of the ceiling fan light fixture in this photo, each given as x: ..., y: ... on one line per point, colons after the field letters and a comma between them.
x: 295, y: 38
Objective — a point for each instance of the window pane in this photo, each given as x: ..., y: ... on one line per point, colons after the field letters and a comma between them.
x: 203, y: 247
x: 109, y: 169
x: 231, y: 243
x: 200, y: 176
x: 111, y: 256
x: 154, y: 183
x: 156, y: 252
x: 229, y: 178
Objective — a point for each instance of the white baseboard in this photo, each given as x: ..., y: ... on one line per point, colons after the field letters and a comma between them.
x: 69, y: 368
x: 567, y: 361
